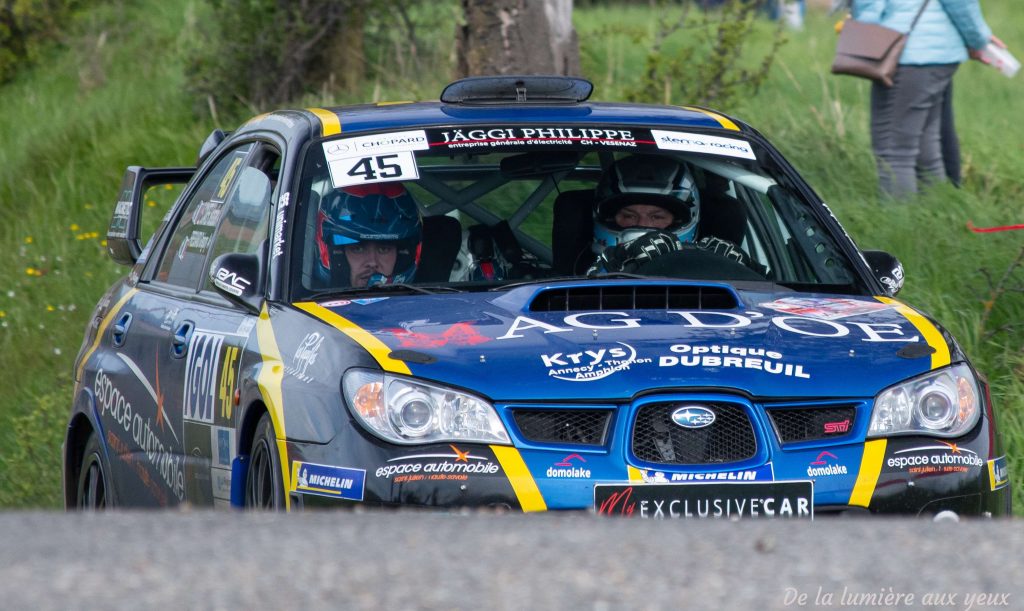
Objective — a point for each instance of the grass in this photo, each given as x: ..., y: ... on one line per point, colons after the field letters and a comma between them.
x: 73, y: 124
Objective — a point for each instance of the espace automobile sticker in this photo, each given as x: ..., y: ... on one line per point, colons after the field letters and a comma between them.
x: 937, y: 458
x: 458, y: 465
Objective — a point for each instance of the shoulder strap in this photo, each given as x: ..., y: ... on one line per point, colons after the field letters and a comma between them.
x: 918, y: 16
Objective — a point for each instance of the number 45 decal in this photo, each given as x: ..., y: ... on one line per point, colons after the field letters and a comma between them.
x: 374, y: 168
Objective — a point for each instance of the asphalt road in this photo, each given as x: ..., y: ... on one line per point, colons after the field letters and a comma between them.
x: 412, y: 560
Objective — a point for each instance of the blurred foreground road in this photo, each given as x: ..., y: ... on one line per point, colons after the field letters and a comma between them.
x: 406, y: 560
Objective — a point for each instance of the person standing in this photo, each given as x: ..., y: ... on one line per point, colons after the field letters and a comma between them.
x: 906, y: 119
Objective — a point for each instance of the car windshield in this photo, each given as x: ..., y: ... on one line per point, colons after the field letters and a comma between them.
x: 484, y: 207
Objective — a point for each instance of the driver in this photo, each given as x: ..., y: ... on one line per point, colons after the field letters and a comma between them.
x: 648, y: 205
x: 368, y: 235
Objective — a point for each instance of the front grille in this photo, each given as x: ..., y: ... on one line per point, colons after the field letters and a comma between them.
x: 810, y: 423
x: 572, y: 426
x: 634, y: 297
x: 656, y: 439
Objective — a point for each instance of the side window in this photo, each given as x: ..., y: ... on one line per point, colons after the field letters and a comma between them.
x: 184, y: 260
x: 245, y: 224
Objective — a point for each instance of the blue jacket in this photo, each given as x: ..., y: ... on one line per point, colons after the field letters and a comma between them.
x: 946, y: 30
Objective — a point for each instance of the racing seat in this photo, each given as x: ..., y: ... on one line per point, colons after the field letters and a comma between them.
x: 572, y: 232
x: 721, y: 215
x: 442, y: 238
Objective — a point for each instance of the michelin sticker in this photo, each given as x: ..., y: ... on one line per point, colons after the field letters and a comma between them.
x: 702, y: 143
x: 327, y: 480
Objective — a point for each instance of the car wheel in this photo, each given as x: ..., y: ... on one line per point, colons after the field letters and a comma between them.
x: 263, y: 486
x: 92, y: 478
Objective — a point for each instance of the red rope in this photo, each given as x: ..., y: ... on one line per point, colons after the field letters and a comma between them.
x: 971, y: 226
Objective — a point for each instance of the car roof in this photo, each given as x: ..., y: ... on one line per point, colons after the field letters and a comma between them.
x: 327, y: 122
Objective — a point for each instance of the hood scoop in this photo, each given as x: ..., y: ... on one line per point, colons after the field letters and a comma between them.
x: 635, y: 297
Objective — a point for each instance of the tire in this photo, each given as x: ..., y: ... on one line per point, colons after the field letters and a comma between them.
x: 92, y: 478
x: 263, y: 486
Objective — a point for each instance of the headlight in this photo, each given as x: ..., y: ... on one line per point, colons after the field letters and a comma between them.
x: 406, y: 411
x: 943, y: 403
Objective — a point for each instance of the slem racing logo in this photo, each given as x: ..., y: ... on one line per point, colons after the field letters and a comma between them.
x: 436, y: 467
x: 592, y: 364
x: 936, y: 459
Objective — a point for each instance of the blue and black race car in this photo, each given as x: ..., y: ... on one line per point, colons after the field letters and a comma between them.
x: 513, y: 297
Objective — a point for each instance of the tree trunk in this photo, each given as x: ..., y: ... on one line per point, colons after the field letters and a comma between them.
x: 517, y: 37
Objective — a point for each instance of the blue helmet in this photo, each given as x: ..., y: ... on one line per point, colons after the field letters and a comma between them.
x: 653, y: 180
x: 380, y: 212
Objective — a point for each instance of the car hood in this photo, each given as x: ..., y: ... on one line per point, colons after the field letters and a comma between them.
x: 767, y: 344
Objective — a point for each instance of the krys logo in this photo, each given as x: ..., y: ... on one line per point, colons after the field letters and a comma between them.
x: 592, y: 364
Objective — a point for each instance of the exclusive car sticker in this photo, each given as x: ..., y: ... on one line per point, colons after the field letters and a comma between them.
x: 829, y: 308
x: 867, y: 476
x: 998, y: 473
x: 371, y: 344
x: 519, y: 476
x: 931, y: 335
x: 269, y: 379
x: 702, y: 143
x: 328, y: 480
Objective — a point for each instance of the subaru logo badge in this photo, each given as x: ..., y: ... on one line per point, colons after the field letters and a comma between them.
x: 693, y: 417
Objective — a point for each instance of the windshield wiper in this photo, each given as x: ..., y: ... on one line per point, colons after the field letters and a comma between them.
x: 603, y: 276
x: 385, y: 288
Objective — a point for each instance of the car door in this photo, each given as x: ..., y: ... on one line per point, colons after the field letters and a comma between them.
x: 175, y: 333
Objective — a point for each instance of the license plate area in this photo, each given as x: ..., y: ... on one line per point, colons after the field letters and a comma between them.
x: 711, y: 500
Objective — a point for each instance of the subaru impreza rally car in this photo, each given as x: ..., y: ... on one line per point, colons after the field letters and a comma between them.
x: 449, y: 304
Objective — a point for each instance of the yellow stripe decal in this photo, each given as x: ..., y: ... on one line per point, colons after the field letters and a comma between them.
x: 394, y: 103
x: 269, y: 382
x: 111, y: 313
x: 329, y: 120
x: 940, y: 358
x: 870, y: 468
x: 520, y: 477
x: 364, y: 338
x: 723, y: 121
x: 635, y: 475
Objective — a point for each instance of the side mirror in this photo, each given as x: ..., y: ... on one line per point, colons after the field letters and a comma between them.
x: 237, y: 277
x: 123, y: 235
x: 887, y: 269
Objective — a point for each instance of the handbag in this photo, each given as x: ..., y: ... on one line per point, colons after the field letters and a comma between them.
x: 871, y: 51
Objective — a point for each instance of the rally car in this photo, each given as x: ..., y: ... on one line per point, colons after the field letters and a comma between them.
x: 513, y: 297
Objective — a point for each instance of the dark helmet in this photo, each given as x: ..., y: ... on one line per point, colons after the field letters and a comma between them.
x: 382, y: 212
x: 646, y: 179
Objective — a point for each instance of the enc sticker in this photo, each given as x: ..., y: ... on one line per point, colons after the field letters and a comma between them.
x: 702, y: 143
